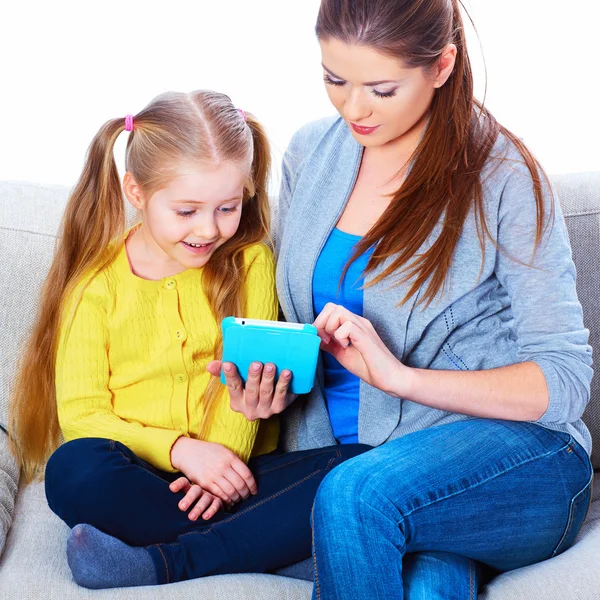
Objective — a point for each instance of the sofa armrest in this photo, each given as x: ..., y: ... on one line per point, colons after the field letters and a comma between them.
x: 9, y: 482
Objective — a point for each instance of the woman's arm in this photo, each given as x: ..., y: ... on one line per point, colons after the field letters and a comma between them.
x: 516, y: 392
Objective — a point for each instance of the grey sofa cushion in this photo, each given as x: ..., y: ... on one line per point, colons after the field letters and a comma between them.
x: 29, y: 217
x: 580, y: 199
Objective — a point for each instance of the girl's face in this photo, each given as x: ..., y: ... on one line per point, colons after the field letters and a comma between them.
x: 198, y: 211
x: 380, y: 99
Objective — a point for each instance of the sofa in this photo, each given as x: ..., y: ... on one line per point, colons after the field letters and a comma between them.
x: 32, y: 539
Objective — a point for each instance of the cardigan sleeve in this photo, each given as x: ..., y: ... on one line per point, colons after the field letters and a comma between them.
x: 82, y: 374
x: 548, y: 318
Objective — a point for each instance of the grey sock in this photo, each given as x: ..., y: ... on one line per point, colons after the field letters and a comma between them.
x: 98, y: 560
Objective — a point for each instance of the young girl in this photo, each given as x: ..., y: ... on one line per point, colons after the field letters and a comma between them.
x: 129, y: 320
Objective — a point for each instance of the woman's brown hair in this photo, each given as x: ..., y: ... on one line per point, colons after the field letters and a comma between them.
x: 201, y: 127
x: 444, y: 181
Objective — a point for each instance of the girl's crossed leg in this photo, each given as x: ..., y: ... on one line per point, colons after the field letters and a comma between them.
x: 102, y: 483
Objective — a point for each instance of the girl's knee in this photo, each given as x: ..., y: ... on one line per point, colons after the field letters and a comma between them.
x: 70, y: 454
x: 71, y: 466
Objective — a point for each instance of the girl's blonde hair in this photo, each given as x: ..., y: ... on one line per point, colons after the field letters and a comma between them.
x: 200, y: 127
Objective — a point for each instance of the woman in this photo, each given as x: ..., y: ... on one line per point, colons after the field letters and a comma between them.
x: 424, y: 238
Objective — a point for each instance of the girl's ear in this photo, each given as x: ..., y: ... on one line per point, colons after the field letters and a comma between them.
x: 133, y: 192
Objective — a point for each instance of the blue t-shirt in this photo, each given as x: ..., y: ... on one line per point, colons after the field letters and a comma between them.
x: 341, y: 387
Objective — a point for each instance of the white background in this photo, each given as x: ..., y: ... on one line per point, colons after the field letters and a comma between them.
x: 66, y: 67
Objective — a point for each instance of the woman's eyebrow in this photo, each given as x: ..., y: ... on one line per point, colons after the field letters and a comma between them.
x: 369, y: 83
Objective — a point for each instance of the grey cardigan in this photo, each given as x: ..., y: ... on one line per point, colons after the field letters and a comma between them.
x: 505, y: 314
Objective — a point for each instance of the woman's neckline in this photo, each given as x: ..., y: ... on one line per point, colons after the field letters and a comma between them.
x: 345, y: 234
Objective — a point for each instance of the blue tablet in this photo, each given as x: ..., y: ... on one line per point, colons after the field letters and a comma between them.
x: 293, y: 346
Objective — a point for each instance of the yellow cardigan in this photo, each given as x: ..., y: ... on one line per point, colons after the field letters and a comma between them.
x: 127, y: 367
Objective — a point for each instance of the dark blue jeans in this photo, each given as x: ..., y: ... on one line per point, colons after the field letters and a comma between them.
x: 104, y: 484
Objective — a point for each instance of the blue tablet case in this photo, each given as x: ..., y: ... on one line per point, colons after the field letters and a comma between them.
x: 293, y: 349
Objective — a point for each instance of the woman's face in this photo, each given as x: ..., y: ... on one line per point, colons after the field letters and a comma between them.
x: 380, y: 99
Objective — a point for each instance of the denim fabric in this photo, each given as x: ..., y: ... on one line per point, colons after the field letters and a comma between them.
x: 104, y: 484
x: 421, y: 516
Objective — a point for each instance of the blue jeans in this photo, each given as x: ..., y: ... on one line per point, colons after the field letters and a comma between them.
x: 104, y: 484
x: 423, y: 516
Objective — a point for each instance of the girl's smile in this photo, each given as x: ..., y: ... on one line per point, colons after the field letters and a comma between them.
x: 187, y: 220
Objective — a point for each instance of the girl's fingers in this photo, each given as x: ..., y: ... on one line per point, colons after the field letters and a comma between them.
x: 229, y: 489
x: 281, y: 390
x: 267, y: 383
x: 205, y: 500
x: 280, y: 398
x: 237, y: 482
x: 190, y: 497
x: 240, y: 467
x: 252, y: 387
x: 234, y: 382
x: 214, y: 368
x: 214, y: 489
x: 213, y: 509
x: 181, y: 484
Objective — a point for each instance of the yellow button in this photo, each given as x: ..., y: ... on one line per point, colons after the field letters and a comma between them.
x: 169, y: 284
x: 180, y: 335
x: 180, y: 378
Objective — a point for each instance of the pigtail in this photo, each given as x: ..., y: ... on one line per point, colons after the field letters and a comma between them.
x: 224, y: 277
x: 94, y: 217
x: 261, y: 168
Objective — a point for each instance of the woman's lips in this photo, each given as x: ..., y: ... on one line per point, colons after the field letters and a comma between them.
x: 363, y: 130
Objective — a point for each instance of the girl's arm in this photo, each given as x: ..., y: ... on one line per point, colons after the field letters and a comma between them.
x: 84, y: 400
x: 261, y: 397
x: 550, y: 383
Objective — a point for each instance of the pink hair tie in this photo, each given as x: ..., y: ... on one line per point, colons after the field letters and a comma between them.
x: 242, y: 113
x: 129, y: 123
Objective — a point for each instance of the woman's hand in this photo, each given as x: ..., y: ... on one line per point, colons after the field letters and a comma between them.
x: 261, y: 398
x: 214, y: 468
x: 354, y: 343
x: 204, y: 503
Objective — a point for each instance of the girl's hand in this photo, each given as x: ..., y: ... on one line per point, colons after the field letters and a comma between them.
x: 354, y: 343
x: 214, y: 468
x: 206, y: 504
x: 261, y: 398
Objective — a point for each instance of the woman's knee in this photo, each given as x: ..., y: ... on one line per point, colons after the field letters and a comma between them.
x: 363, y: 489
x: 343, y: 490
